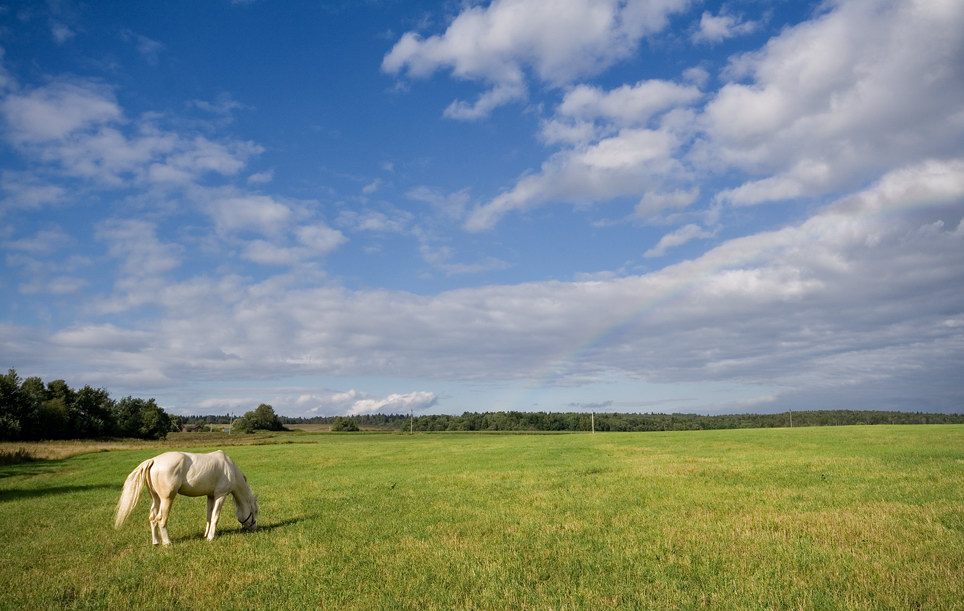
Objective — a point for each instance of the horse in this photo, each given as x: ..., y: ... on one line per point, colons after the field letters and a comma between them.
x: 213, y: 475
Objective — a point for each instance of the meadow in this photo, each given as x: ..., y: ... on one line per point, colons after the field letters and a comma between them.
x: 864, y: 517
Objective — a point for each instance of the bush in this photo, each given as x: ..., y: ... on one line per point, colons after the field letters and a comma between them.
x: 242, y: 425
x: 264, y: 418
x: 344, y: 425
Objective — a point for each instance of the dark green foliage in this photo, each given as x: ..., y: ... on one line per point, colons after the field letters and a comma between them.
x: 30, y: 411
x: 242, y: 425
x: 344, y: 425
x: 264, y: 418
x: 579, y: 421
x: 141, y: 418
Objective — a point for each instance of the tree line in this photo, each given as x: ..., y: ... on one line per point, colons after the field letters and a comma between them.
x: 31, y: 410
x: 581, y: 421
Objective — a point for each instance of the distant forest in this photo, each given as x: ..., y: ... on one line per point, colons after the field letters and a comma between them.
x: 31, y: 410
x: 578, y: 421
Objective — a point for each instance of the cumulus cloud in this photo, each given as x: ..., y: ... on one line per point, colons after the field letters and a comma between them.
x: 628, y: 105
x: 394, y: 404
x: 57, y: 110
x: 824, y: 106
x: 831, y: 102
x: 557, y: 40
x: 632, y: 161
x: 717, y: 28
x: 77, y: 126
x: 839, y: 300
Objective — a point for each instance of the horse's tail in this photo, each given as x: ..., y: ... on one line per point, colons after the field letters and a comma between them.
x: 132, y: 492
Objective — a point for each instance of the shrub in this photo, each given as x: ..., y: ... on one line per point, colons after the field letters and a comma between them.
x: 241, y: 425
x: 344, y: 425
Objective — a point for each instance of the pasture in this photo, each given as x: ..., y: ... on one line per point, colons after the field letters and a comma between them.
x: 805, y: 518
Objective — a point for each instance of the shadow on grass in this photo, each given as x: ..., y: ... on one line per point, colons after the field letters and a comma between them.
x: 12, y: 494
x: 234, y: 530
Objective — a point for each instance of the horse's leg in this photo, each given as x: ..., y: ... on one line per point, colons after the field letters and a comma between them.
x: 162, y: 513
x: 208, y: 523
x: 215, y: 515
x: 154, y: 515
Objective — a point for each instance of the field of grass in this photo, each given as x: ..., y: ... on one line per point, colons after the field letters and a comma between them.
x: 816, y: 518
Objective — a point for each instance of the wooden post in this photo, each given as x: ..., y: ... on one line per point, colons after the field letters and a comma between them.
x: 592, y: 419
x: 791, y: 418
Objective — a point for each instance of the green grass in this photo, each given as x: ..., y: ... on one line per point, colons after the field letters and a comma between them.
x: 817, y: 518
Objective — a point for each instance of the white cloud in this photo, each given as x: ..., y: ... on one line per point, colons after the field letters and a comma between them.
x: 266, y: 253
x: 558, y: 40
x: 320, y: 238
x: 233, y: 211
x: 57, y: 110
x: 149, y: 49
x: 394, y: 221
x: 717, y: 28
x: 824, y: 106
x: 858, y: 293
x: 831, y: 102
x: 679, y: 237
x: 632, y: 161
x: 43, y: 242
x: 450, y: 205
x: 61, y: 32
x: 628, y: 105
x: 77, y: 126
x: 105, y: 336
x: 372, y: 187
x: 136, y: 243
x: 394, y: 404
x: 654, y: 202
x: 261, y: 178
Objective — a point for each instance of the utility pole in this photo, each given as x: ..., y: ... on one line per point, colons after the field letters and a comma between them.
x: 791, y: 417
x: 592, y: 420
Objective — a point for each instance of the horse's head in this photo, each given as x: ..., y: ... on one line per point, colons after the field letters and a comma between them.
x: 249, y: 515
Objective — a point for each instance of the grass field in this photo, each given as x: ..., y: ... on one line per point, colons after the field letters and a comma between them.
x: 816, y: 518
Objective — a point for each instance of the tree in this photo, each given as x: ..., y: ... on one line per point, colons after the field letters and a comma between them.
x: 11, y: 404
x: 264, y: 418
x: 92, y: 413
x: 344, y: 425
x: 141, y: 418
x: 241, y: 425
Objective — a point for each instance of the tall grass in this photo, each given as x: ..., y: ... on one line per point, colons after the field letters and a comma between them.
x: 860, y: 517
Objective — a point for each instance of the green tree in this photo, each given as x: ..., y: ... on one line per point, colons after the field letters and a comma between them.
x: 11, y: 405
x: 264, y: 418
x: 241, y: 425
x: 92, y: 414
x: 141, y: 418
x: 344, y: 425
x: 55, y: 419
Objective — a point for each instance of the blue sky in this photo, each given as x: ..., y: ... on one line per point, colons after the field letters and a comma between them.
x: 553, y: 205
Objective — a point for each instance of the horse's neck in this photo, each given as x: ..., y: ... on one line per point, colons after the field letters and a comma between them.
x: 242, y: 493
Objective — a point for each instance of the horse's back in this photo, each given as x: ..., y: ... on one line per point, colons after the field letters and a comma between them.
x: 207, y: 474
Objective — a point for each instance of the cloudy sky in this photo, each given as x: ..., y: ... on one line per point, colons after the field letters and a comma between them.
x: 556, y: 205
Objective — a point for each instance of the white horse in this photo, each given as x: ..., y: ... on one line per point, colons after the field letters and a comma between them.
x: 213, y: 475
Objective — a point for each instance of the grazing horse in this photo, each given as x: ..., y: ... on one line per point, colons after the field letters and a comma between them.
x: 213, y: 475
